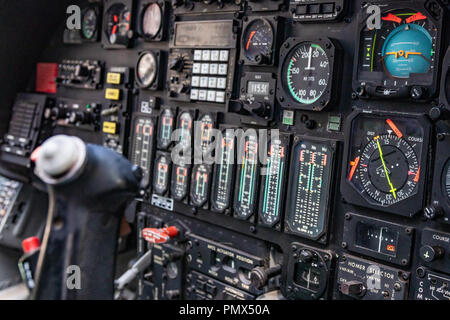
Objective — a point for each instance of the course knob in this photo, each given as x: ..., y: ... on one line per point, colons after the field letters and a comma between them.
x: 431, y: 253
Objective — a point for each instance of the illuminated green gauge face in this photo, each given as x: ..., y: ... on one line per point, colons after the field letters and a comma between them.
x: 161, y: 174
x: 166, y: 123
x: 308, y: 193
x: 446, y: 180
x: 247, y: 178
x: 89, y: 24
x: 385, y: 160
x: 272, y: 183
x: 306, y: 72
x: 180, y: 181
x: 404, y: 46
x: 223, y: 172
x: 200, y: 184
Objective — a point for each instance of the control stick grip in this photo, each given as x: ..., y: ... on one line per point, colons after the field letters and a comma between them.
x: 91, y: 186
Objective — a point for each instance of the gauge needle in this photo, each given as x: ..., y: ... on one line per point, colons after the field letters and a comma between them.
x: 385, y: 170
x: 309, y: 59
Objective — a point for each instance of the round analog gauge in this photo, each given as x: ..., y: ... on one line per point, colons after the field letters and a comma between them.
x: 118, y: 21
x: 146, y: 69
x: 404, y: 47
x: 306, y: 73
x: 89, y: 24
x: 385, y: 162
x: 257, y: 41
x: 151, y: 21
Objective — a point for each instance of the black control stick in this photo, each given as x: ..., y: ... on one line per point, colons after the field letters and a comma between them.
x: 89, y: 187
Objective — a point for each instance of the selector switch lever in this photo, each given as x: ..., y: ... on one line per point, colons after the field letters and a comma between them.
x: 352, y: 288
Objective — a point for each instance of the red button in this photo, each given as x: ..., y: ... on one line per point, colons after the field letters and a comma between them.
x: 31, y: 244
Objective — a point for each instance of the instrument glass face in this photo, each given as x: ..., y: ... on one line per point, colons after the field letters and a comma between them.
x: 118, y: 23
x: 386, y: 153
x: 89, y: 24
x: 306, y: 73
x: 308, y: 198
x: 147, y: 69
x: 258, y: 40
x: 404, y: 47
x: 151, y: 20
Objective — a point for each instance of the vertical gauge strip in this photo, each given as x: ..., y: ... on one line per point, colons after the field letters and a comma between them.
x: 247, y: 178
x: 161, y: 174
x: 307, y: 205
x: 185, y: 124
x: 166, y: 127
x: 143, y: 140
x: 180, y: 181
x: 223, y: 173
x: 272, y: 183
x: 200, y: 183
x: 204, y: 134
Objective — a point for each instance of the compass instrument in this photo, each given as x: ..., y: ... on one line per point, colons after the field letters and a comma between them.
x: 223, y: 178
x: 386, y: 165
x: 306, y: 74
x: 400, y: 58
